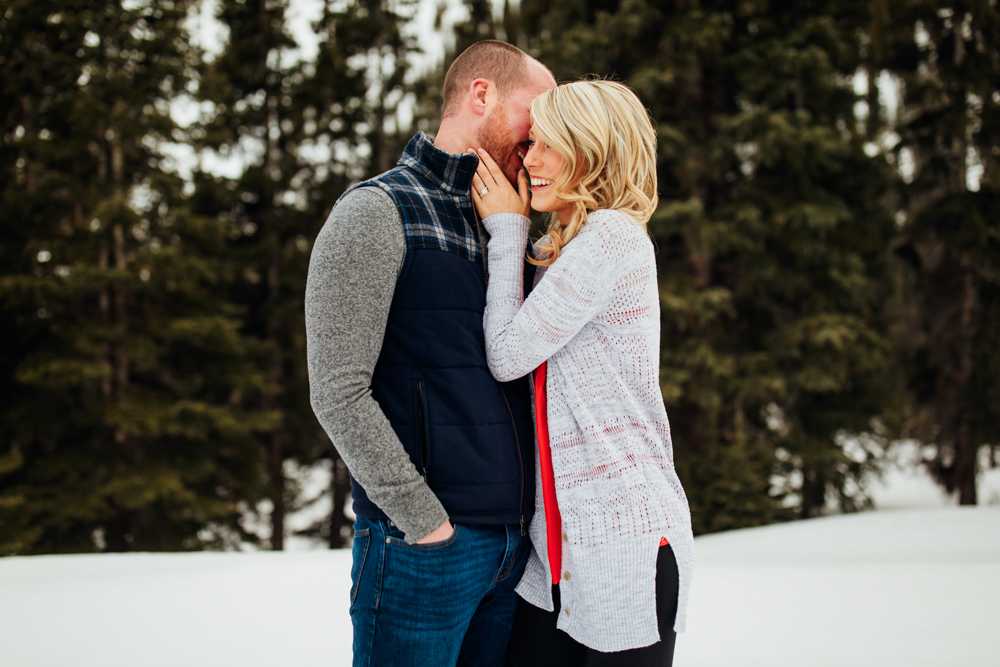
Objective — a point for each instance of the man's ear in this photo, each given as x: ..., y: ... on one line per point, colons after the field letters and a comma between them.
x: 483, y: 94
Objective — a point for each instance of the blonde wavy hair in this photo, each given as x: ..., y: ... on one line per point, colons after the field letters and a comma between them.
x: 604, y: 135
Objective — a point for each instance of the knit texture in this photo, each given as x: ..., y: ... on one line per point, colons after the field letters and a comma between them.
x: 347, y: 302
x: 594, y: 316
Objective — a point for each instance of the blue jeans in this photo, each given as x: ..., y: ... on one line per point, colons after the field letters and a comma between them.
x: 438, y: 604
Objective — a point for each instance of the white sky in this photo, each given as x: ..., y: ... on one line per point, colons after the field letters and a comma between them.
x: 301, y: 13
x: 210, y: 34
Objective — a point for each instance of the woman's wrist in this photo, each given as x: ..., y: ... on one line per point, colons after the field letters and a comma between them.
x: 507, y: 224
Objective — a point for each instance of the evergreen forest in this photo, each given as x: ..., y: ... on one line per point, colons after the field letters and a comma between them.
x: 828, y: 244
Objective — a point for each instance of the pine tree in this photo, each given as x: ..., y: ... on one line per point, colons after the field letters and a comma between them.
x: 252, y: 88
x: 312, y: 128
x: 771, y: 236
x: 356, y: 92
x: 121, y: 425
x: 947, y: 57
x: 479, y: 26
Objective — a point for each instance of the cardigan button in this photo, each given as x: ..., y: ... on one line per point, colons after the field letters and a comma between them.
x: 566, y: 576
x: 567, y: 611
x: 565, y: 537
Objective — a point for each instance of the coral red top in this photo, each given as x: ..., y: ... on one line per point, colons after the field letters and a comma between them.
x: 553, y: 521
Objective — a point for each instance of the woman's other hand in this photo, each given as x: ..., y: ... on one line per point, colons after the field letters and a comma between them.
x: 492, y: 192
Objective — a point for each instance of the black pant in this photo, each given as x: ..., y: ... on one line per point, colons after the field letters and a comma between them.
x: 535, y: 641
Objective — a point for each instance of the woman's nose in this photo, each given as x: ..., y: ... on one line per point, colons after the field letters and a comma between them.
x: 530, y: 157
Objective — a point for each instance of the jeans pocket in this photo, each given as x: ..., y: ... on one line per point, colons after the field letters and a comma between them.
x: 442, y: 543
x: 427, y: 546
x: 362, y: 540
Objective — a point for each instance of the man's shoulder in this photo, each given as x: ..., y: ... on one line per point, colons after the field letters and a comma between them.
x: 366, y: 199
x: 364, y: 218
x: 361, y: 212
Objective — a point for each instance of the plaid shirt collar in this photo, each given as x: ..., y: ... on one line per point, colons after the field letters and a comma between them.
x: 451, y: 173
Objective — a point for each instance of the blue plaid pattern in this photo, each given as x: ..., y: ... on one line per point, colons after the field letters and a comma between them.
x: 433, y: 191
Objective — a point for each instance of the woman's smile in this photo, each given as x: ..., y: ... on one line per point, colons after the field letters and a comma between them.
x: 544, y: 166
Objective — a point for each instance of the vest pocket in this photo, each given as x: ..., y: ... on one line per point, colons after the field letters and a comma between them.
x: 422, y: 427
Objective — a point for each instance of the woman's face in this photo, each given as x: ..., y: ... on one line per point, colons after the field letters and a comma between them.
x: 544, y: 167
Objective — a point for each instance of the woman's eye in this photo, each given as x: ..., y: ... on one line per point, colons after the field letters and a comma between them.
x: 531, y: 142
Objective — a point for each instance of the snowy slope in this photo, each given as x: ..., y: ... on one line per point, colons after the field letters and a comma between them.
x: 879, y: 589
x: 907, y: 587
x: 173, y: 610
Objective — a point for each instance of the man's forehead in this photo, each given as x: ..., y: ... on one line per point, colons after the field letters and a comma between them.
x: 539, y: 76
x: 536, y: 83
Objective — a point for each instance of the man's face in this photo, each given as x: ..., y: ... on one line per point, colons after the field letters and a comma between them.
x: 504, y: 135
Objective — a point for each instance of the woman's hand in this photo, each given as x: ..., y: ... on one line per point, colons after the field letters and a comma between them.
x: 498, y: 195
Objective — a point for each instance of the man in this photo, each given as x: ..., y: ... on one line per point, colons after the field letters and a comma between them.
x: 441, y: 455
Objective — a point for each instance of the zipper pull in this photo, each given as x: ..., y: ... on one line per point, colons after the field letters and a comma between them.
x: 522, y: 526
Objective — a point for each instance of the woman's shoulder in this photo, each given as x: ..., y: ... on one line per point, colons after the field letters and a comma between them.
x: 613, y: 221
x: 614, y: 231
x: 609, y: 216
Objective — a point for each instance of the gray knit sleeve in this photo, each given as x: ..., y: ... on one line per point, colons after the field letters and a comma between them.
x: 352, y: 275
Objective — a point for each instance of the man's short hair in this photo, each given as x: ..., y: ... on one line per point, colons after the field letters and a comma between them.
x: 503, y: 64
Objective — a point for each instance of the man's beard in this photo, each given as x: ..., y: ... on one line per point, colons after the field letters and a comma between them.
x: 495, y: 139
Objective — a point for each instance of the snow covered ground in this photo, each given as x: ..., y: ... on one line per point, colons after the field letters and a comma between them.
x: 172, y: 610
x: 880, y: 589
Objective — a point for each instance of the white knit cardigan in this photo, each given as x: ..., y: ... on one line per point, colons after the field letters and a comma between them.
x: 594, y: 315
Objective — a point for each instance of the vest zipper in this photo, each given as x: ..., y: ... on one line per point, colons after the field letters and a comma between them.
x: 520, y: 460
x: 423, y: 429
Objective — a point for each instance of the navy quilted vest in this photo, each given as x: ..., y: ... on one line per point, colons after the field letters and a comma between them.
x: 469, y: 435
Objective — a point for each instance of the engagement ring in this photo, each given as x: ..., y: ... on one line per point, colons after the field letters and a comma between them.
x: 482, y: 193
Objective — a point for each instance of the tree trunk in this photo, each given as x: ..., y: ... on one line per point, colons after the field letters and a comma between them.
x: 275, y: 460
x: 340, y: 486
x: 964, y: 467
x: 276, y: 377
x: 964, y: 471
x: 118, y: 530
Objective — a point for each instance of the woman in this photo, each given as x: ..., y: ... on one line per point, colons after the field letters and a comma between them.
x: 608, y: 581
